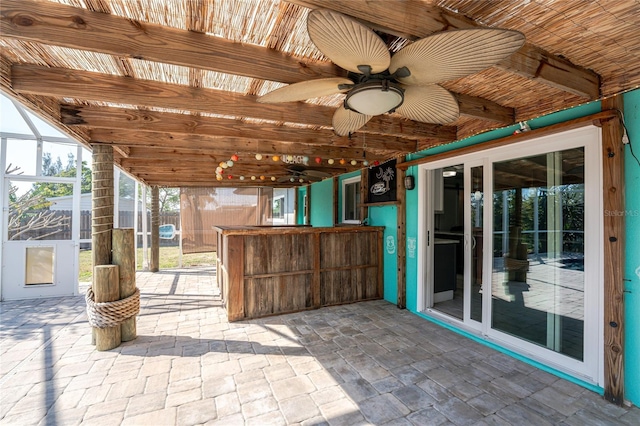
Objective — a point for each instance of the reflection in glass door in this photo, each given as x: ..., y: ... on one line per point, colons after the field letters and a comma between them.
x: 538, y: 278
x: 448, y: 241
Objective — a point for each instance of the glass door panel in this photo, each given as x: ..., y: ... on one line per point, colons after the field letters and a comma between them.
x: 476, y: 227
x: 538, y: 278
x: 448, y: 242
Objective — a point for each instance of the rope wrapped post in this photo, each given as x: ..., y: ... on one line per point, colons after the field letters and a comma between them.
x: 106, y: 288
x: 123, y: 255
x: 102, y: 205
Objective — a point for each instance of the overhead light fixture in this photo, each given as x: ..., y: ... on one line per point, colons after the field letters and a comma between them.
x: 375, y: 97
x: 449, y: 173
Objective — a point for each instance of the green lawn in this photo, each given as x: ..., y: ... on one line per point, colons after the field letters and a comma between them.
x: 169, y: 257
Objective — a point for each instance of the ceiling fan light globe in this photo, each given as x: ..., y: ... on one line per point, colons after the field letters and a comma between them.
x: 374, y: 98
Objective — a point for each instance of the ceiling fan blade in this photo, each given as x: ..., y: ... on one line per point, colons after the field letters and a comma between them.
x: 347, y: 42
x: 346, y: 121
x: 429, y: 104
x: 316, y: 174
x: 453, y: 54
x: 305, y: 90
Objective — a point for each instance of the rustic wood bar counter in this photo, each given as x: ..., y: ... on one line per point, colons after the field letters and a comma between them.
x: 265, y: 271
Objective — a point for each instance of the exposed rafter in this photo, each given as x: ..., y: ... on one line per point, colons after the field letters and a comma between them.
x: 414, y: 19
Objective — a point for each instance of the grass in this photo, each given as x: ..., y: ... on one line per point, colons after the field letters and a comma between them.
x: 169, y: 258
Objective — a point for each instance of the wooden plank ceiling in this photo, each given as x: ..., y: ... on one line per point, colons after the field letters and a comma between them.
x: 172, y: 84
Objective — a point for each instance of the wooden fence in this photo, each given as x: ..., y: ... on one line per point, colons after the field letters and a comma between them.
x: 125, y: 221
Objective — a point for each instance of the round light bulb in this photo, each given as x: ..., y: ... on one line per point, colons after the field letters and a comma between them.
x: 331, y: 161
x: 365, y: 163
x: 305, y: 159
x: 230, y: 163
x: 289, y: 157
x: 354, y: 162
x: 253, y: 178
x: 276, y: 158
x: 262, y: 178
x: 273, y: 178
x: 301, y: 180
x: 241, y: 178
x: 258, y: 157
x: 343, y: 161
x: 234, y: 157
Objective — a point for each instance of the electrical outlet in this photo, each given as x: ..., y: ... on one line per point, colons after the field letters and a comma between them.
x: 625, y: 138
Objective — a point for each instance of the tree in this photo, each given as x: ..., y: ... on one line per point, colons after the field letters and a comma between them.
x: 28, y: 214
x: 169, y: 199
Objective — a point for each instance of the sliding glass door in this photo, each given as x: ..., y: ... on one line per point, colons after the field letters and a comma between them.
x: 512, y: 240
x: 538, y: 278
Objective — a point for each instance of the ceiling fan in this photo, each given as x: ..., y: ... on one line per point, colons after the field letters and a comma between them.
x: 405, y: 83
x: 309, y: 175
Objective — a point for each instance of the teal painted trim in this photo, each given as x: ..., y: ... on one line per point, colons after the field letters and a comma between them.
x: 411, y: 239
x: 497, y: 347
x: 387, y: 216
x: 547, y: 120
x: 632, y: 250
x: 341, y: 179
x: 302, y: 191
x: 322, y: 203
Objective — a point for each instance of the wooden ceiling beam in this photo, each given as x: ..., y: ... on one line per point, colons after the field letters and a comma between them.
x: 413, y: 19
x: 229, y: 146
x: 151, y: 153
x: 63, y: 82
x: 78, y: 28
x: 177, y: 140
x: 135, y: 119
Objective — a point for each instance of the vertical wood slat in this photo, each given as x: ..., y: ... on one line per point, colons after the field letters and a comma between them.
x: 364, y: 188
x: 124, y: 256
x: 234, y: 254
x: 106, y: 288
x: 154, y: 264
x: 316, y: 280
x: 401, y: 238
x: 613, y: 192
x: 307, y: 212
x: 336, y: 192
x: 296, y: 205
x: 380, y: 237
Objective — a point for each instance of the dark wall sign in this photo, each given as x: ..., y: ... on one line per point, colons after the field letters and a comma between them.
x: 382, y: 183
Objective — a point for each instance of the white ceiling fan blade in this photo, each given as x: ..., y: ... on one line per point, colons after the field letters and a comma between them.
x: 346, y: 121
x: 453, y: 54
x: 347, y: 42
x: 429, y: 104
x: 305, y: 90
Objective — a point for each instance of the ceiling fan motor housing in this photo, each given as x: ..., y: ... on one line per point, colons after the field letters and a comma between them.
x: 374, y: 95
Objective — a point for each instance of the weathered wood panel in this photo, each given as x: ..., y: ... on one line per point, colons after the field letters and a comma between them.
x: 277, y: 294
x: 270, y: 270
x: 277, y: 253
x: 347, y: 249
x: 349, y: 285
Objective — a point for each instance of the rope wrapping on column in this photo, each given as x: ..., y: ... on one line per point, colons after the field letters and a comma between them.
x: 111, y: 314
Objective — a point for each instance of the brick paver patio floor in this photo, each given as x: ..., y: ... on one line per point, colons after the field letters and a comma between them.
x: 366, y: 363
